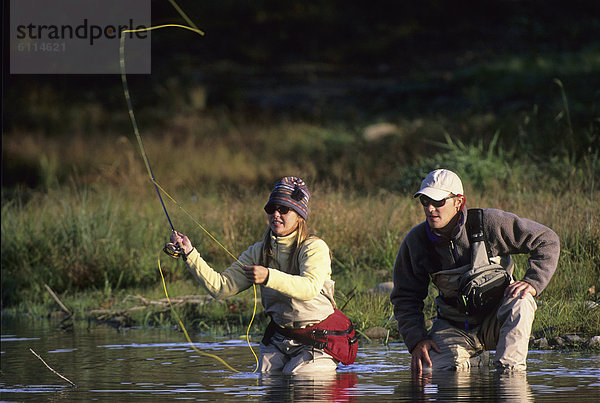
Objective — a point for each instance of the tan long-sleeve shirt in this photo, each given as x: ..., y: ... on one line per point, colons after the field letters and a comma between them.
x: 291, y: 299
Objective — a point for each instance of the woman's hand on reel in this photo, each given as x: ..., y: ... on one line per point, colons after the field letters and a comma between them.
x: 179, y: 245
x: 177, y: 238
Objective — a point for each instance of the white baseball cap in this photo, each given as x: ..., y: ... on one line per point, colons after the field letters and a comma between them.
x: 439, y: 183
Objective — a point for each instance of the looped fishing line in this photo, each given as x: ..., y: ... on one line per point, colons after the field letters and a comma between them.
x: 159, y: 189
x: 185, y: 331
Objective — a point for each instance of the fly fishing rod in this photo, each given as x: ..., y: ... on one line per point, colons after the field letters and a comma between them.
x: 171, y: 249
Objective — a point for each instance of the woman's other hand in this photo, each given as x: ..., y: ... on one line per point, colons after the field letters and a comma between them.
x: 256, y: 274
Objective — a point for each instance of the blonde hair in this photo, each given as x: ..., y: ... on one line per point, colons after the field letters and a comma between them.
x: 302, y: 235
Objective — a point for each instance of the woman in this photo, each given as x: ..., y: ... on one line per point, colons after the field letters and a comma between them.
x: 294, y: 270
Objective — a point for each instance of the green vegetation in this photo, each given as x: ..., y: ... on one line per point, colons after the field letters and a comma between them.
x: 507, y: 97
x: 94, y: 230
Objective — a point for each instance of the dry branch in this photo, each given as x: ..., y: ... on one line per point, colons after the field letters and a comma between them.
x: 193, y: 299
x: 48, y: 366
x: 57, y: 300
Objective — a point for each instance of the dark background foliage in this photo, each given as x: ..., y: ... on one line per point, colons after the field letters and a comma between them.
x: 349, y: 63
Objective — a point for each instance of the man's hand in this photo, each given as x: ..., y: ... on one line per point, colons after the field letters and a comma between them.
x: 256, y: 274
x: 420, y: 356
x: 519, y: 289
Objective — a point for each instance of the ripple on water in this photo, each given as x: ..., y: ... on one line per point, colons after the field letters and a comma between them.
x: 135, y: 365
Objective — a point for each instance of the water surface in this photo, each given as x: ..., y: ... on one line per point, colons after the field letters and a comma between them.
x: 159, y: 365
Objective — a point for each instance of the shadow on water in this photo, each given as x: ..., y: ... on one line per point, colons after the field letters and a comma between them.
x: 135, y: 365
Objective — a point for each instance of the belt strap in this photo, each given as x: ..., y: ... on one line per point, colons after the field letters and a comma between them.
x: 306, y: 335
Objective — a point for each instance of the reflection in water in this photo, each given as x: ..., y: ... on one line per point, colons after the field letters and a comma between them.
x: 473, y: 385
x: 328, y: 387
x: 513, y: 387
x: 142, y: 365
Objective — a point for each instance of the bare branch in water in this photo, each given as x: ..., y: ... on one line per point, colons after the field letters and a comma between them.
x: 48, y: 366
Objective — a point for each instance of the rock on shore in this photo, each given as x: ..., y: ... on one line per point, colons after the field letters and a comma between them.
x: 564, y: 341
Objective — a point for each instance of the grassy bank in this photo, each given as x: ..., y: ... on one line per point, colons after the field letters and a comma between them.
x: 95, y: 240
x: 360, y: 103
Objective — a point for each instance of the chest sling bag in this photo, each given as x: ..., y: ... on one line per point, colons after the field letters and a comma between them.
x: 481, y: 288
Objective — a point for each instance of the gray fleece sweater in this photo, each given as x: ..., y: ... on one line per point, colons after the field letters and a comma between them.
x: 505, y: 233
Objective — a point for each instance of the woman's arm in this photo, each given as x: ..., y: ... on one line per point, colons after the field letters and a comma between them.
x: 219, y: 285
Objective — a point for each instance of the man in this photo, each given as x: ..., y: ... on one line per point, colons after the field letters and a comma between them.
x: 439, y: 249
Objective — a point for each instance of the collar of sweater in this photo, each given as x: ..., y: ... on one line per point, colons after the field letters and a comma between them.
x: 283, y: 243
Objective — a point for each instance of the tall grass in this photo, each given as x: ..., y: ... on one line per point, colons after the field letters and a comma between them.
x: 79, y: 239
x: 93, y: 223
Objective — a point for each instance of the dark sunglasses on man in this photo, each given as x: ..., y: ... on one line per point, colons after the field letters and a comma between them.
x: 426, y: 201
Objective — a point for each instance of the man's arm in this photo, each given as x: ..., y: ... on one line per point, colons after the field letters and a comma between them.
x: 411, y: 284
x: 510, y: 234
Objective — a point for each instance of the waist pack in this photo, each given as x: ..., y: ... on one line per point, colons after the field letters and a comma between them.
x: 335, y: 334
x: 481, y: 288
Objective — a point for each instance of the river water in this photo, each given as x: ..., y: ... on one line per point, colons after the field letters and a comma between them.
x: 160, y: 365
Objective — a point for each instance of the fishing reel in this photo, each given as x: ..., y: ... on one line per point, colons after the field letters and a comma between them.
x: 173, y: 250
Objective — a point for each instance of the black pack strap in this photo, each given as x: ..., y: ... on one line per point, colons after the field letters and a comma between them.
x: 269, y: 333
x: 306, y: 336
x: 318, y: 344
x: 475, y: 225
x: 323, y: 332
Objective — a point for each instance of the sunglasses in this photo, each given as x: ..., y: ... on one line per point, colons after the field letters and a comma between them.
x: 426, y: 201
x: 271, y: 208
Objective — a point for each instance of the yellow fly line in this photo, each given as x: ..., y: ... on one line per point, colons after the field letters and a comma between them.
x: 187, y: 336
x: 157, y: 185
